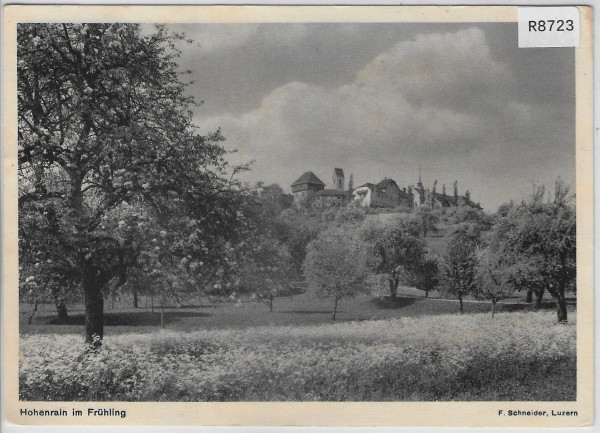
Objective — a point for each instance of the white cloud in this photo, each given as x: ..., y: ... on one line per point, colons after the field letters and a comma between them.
x: 449, y: 68
x: 439, y: 100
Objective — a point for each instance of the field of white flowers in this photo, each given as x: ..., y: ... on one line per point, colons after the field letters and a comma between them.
x: 514, y: 356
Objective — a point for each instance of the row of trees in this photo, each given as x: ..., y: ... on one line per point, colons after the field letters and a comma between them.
x: 533, y: 247
x: 530, y: 246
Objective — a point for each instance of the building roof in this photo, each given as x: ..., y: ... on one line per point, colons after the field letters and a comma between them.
x: 338, y: 172
x: 444, y: 198
x: 386, y: 183
x: 335, y: 192
x: 308, y: 177
x: 449, y: 200
x: 368, y: 185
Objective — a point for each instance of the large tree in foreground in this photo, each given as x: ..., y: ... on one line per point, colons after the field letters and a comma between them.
x: 112, y: 173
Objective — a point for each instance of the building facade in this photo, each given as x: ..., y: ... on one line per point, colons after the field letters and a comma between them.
x: 386, y: 194
x: 305, y: 187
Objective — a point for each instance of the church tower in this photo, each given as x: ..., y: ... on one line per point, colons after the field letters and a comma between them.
x: 338, y: 179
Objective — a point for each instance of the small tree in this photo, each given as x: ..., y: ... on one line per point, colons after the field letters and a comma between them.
x: 396, y: 249
x: 429, y: 218
x: 336, y: 265
x: 457, y: 277
x: 426, y: 274
x: 265, y: 271
x: 50, y: 276
x: 493, y: 279
x: 505, y: 208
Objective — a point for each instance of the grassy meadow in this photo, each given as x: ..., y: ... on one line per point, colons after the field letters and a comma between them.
x: 414, y: 349
x: 448, y: 357
x: 301, y: 310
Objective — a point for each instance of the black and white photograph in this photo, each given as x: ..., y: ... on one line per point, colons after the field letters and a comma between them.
x: 381, y: 211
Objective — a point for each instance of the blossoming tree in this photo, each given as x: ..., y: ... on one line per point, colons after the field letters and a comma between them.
x: 396, y: 249
x: 493, y: 277
x: 459, y: 263
x: 112, y: 172
x: 336, y: 265
x: 538, y: 245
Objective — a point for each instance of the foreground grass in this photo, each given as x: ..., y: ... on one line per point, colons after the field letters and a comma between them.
x: 515, y: 356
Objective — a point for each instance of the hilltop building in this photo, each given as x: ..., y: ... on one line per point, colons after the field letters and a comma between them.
x: 386, y: 193
x: 309, y: 191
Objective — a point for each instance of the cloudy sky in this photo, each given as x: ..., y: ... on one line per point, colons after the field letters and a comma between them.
x: 461, y: 101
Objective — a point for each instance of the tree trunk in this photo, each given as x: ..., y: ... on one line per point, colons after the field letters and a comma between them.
x: 61, y: 309
x: 61, y: 306
x: 152, y: 303
x: 558, y: 293
x: 135, y: 299
x: 427, y: 293
x: 94, y: 309
x: 162, y: 315
x: 561, y: 309
x: 493, y: 307
x: 271, y: 303
x: 461, y: 305
x: 529, y: 296
x: 334, y: 308
x: 30, y: 318
x: 393, y: 288
x: 539, y: 295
